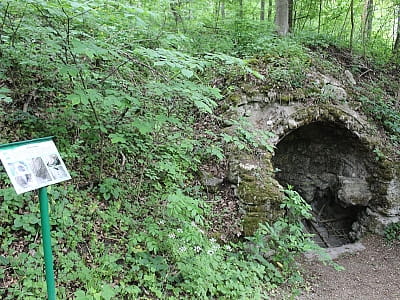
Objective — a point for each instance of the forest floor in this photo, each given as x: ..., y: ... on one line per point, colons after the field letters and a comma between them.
x: 371, y: 274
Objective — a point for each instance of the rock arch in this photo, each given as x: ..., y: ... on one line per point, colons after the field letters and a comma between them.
x: 333, y: 171
x: 330, y: 153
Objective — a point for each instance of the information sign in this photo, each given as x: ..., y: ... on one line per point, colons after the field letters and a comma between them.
x: 33, y: 164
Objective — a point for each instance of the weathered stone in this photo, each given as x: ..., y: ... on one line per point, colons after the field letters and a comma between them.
x: 350, y: 77
x: 353, y: 191
x: 258, y: 193
x: 334, y: 92
x: 393, y: 191
x: 376, y: 222
x: 292, y: 124
x: 212, y: 181
x: 335, y: 252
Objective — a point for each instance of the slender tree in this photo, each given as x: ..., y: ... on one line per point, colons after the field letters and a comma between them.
x: 290, y: 15
x: 367, y: 16
x: 269, y: 10
x: 319, y: 16
x: 262, y: 10
x: 396, y: 46
x: 217, y: 11
x: 175, y: 6
x: 282, y: 17
x: 352, y: 24
x: 241, y: 9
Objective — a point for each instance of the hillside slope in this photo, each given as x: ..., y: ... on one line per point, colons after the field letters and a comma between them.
x: 143, y: 121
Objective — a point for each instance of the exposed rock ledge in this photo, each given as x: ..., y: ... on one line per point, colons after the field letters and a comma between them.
x: 361, y: 176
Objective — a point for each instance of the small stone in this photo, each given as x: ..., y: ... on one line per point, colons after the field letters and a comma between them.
x: 350, y: 77
x: 213, y: 181
x: 292, y: 124
x: 334, y: 92
x: 248, y: 166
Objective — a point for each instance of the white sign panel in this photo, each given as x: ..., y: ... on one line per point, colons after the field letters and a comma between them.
x: 33, y: 164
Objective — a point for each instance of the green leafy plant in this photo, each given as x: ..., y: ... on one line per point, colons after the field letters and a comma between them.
x: 392, y: 232
x: 285, y: 238
x: 245, y: 137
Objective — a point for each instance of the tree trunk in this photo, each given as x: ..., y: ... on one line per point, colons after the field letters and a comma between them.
x: 269, y: 10
x: 241, y: 9
x: 223, y: 9
x: 175, y: 12
x: 282, y: 17
x: 352, y: 24
x: 367, y: 16
x: 319, y: 16
x: 396, y: 46
x: 290, y: 15
x: 262, y: 10
x: 216, y: 9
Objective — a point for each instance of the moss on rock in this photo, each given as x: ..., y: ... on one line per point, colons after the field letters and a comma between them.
x: 233, y: 99
x: 259, y: 194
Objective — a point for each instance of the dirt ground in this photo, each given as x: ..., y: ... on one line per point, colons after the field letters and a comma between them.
x: 371, y: 274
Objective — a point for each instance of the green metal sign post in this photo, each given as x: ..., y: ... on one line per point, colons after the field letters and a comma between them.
x: 34, y: 165
x: 48, y: 256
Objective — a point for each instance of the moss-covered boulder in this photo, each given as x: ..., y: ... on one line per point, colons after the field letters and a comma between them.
x: 258, y: 193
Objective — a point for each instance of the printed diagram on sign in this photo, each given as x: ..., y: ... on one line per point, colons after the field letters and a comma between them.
x: 20, y: 172
x: 55, y: 167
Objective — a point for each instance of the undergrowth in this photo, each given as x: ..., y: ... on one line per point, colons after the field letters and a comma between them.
x: 133, y: 117
x: 392, y: 232
x: 132, y: 104
x: 116, y: 249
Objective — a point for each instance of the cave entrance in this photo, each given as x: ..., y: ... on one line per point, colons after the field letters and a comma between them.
x: 332, y: 222
x: 330, y: 168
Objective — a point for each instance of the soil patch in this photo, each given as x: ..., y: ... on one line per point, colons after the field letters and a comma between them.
x: 369, y: 275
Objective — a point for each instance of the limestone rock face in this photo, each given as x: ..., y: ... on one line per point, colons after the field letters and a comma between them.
x: 258, y: 193
x: 334, y: 92
x: 353, y: 191
x: 325, y: 150
x: 210, y: 180
x: 393, y: 197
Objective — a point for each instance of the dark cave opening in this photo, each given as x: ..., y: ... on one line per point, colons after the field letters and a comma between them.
x: 329, y: 167
x: 332, y: 222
